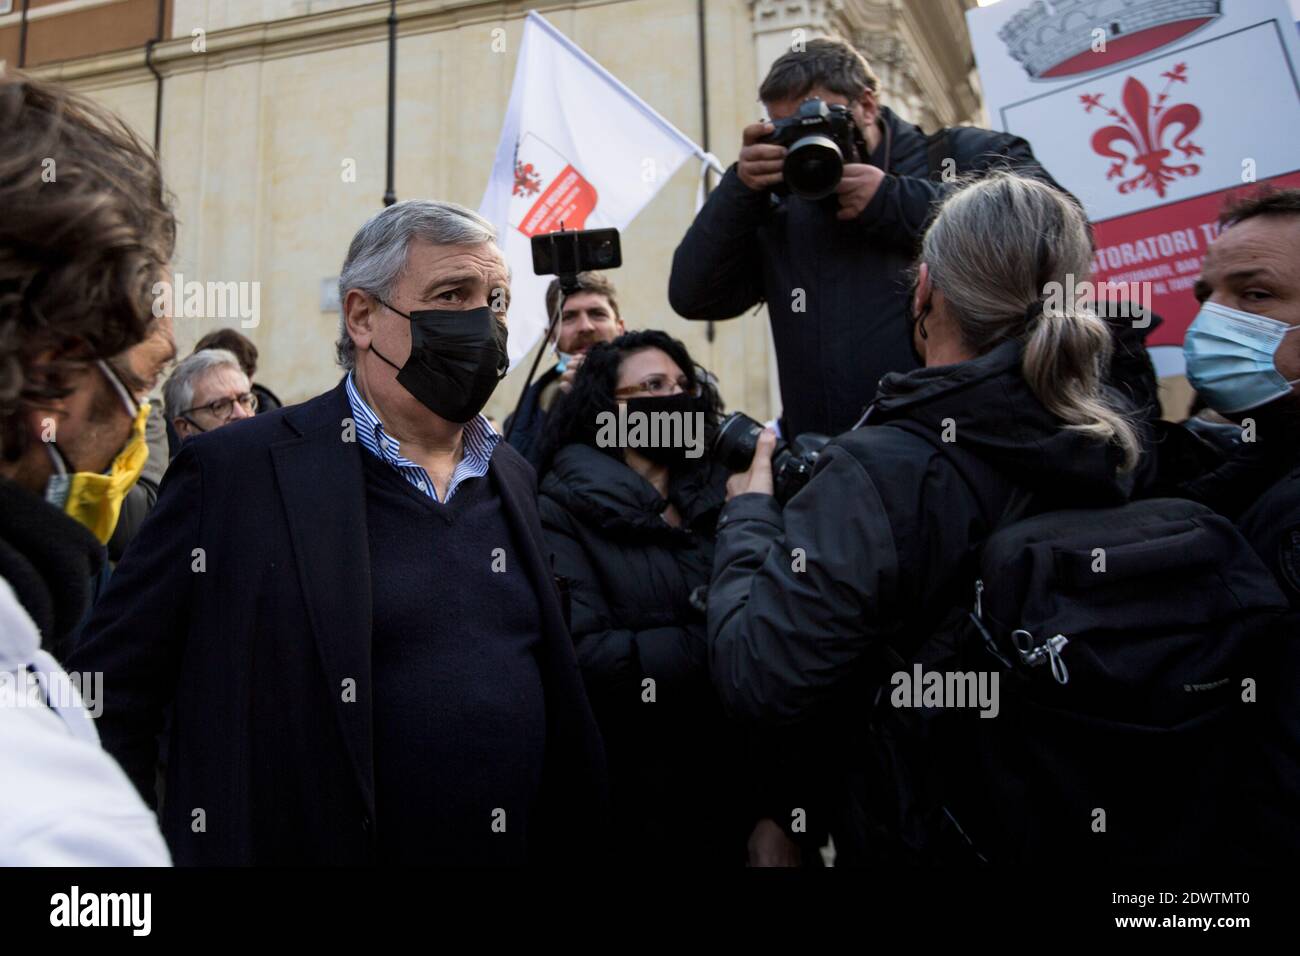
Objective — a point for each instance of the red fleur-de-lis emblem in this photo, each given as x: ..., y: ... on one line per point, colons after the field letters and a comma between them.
x: 527, y: 182
x: 1143, y: 126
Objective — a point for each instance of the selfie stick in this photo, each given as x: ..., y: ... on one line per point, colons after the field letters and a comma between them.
x: 568, y: 286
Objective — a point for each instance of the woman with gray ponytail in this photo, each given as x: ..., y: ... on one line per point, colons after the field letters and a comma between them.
x: 1008, y: 417
x: 1001, y: 257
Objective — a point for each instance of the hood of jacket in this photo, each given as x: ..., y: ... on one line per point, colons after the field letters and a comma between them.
x: 605, y: 493
x: 994, y: 415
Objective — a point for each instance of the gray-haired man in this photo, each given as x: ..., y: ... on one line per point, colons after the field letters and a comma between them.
x: 347, y: 601
x: 207, y: 390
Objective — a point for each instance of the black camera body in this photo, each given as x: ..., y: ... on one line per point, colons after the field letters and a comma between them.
x: 736, y: 440
x: 819, y: 140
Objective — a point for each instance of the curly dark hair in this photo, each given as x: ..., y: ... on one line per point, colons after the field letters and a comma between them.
x: 87, y: 231
x: 573, y: 417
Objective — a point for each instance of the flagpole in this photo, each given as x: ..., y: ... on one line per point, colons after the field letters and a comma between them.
x: 635, y: 101
x: 704, y: 119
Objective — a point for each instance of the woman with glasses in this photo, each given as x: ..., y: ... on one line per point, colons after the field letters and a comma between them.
x: 632, y: 530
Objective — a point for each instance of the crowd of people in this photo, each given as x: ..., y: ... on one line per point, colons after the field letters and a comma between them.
x: 1005, y: 612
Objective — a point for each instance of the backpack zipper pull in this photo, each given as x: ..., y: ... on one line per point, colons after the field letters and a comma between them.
x: 1049, y: 650
x: 1054, y: 647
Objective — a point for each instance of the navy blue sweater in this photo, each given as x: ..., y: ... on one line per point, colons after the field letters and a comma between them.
x: 459, y: 714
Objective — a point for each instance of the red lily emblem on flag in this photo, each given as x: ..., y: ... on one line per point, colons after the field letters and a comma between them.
x: 1144, y: 127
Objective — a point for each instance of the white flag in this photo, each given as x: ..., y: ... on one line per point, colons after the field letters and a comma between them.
x: 578, y: 148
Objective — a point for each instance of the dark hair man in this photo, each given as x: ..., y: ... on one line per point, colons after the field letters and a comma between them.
x: 85, y: 233
x: 586, y: 317
x: 833, y: 271
x: 347, y: 604
x: 1243, y: 358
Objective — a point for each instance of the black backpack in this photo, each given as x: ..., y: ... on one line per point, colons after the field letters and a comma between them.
x: 1121, y: 639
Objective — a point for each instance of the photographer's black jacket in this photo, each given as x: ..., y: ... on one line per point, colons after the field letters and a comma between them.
x: 848, y: 278
x: 885, y: 527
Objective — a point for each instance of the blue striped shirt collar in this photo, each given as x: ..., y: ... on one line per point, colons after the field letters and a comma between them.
x: 478, y: 436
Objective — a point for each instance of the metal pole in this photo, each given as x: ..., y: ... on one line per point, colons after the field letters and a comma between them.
x: 390, y: 196
x: 704, y: 116
x: 22, y: 37
x: 158, y: 80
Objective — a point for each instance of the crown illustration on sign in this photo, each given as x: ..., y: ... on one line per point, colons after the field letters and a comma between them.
x: 1056, y: 37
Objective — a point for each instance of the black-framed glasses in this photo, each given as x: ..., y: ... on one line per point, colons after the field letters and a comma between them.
x: 223, y: 408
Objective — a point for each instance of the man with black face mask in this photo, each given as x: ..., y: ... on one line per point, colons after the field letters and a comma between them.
x: 349, y: 604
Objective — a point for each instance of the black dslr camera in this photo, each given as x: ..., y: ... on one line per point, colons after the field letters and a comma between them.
x: 736, y: 440
x: 819, y: 140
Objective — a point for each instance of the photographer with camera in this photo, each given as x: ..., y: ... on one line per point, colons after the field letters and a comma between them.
x: 631, y: 527
x: 820, y: 218
x: 879, y: 565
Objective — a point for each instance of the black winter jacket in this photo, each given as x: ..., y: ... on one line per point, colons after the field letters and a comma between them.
x: 675, y: 765
x: 887, y: 526
x: 837, y: 292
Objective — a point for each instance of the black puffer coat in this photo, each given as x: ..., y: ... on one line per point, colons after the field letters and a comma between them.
x: 675, y: 764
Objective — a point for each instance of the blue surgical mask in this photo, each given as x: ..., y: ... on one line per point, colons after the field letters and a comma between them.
x: 1230, y: 358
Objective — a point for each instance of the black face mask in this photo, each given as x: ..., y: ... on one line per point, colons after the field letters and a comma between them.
x: 682, y: 403
x: 457, y: 359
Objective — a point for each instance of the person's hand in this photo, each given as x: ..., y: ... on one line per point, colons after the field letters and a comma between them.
x: 857, y: 188
x: 759, y: 166
x: 769, y: 845
x: 758, y: 479
x: 570, y: 370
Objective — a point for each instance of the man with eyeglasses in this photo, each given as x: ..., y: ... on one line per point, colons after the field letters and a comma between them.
x: 207, y: 390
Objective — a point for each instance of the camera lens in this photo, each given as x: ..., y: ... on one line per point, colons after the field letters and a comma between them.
x: 813, y: 167
x: 736, y: 441
x: 604, y: 252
